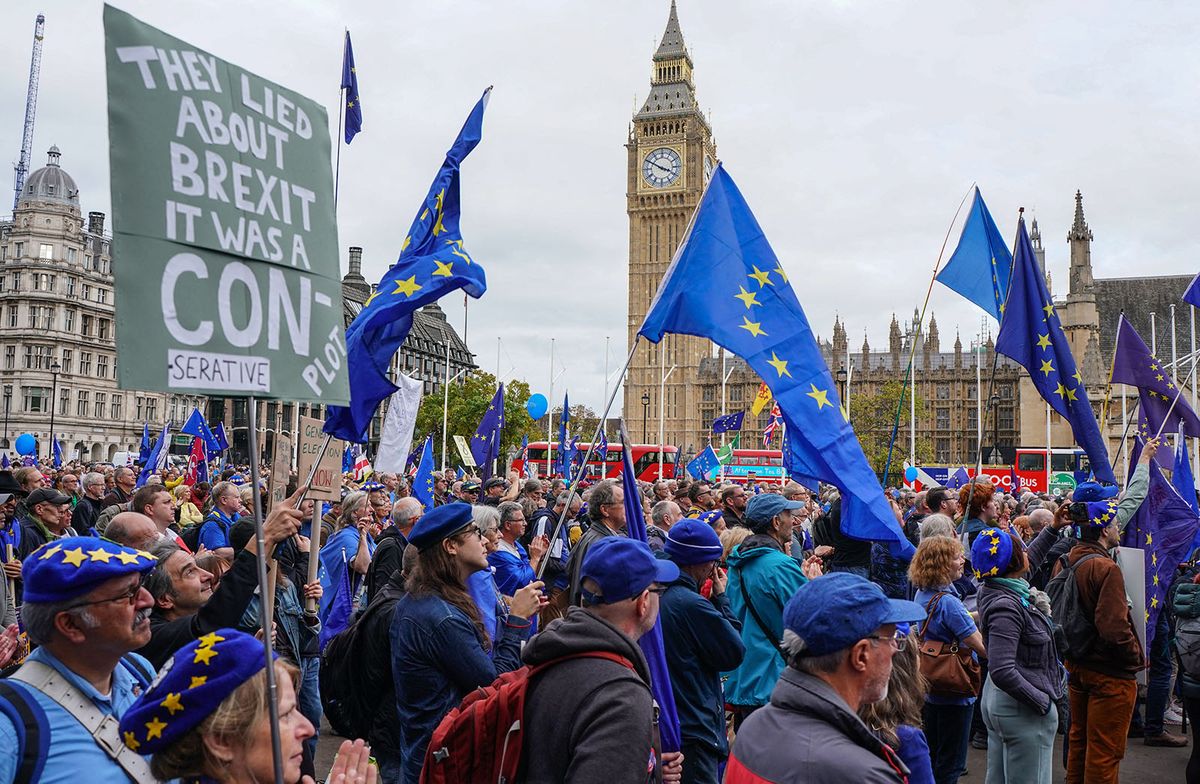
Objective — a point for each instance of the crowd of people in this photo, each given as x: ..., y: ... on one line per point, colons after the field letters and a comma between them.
x: 794, y: 652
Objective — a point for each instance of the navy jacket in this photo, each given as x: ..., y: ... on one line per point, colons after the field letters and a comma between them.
x: 703, y: 638
x: 437, y: 660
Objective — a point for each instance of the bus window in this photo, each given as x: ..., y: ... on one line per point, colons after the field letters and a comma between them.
x: 644, y: 462
x: 775, y: 461
x: 537, y: 454
x: 1085, y: 465
x: 747, y: 460
x: 1031, y: 462
x: 1062, y: 462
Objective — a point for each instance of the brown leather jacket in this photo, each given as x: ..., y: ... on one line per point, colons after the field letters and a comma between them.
x: 1117, y: 652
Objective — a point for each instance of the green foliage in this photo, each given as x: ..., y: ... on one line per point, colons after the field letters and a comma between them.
x: 873, y: 417
x: 468, y: 401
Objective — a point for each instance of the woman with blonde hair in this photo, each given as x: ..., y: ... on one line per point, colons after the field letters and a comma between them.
x: 896, y: 719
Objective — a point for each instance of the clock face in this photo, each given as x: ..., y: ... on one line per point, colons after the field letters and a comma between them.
x: 661, y: 167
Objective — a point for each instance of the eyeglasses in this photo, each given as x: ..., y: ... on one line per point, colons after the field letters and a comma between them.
x: 129, y: 597
x: 659, y: 589
x: 899, y: 641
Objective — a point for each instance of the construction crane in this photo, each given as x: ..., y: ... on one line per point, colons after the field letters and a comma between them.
x: 35, y: 70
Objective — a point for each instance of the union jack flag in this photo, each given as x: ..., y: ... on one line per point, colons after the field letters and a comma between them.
x: 775, y: 423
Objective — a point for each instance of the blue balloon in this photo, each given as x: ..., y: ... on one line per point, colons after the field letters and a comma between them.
x: 26, y: 444
x: 537, y: 405
x: 910, y: 474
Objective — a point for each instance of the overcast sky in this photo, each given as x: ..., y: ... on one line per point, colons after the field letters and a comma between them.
x: 853, y: 129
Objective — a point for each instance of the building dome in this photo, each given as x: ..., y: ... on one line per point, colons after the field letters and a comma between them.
x: 51, y: 183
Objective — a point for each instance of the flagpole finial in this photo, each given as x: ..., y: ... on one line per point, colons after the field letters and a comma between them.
x: 1021, y: 211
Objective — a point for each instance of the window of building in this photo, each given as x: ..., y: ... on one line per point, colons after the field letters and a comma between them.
x: 943, y: 419
x: 104, y: 328
x: 64, y: 401
x: 943, y: 391
x: 70, y: 255
x: 87, y: 291
x: 48, y: 318
x: 102, y: 365
x: 102, y: 296
x: 735, y: 393
x: 71, y: 286
x: 45, y: 252
x: 66, y: 360
x: 87, y: 262
x: 16, y: 281
x: 101, y: 402
x: 709, y: 394
x: 85, y: 363
x: 117, y: 413
x: 81, y: 405
x: 86, y: 329
x: 141, y: 403
x: 18, y: 250
x: 12, y: 315
x: 942, y: 447
x: 10, y: 357
x: 36, y: 399
x: 152, y: 409
x: 69, y: 320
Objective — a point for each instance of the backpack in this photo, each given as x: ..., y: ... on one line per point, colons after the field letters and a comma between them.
x: 29, y: 720
x: 348, y: 701
x: 1185, y: 604
x: 191, y: 536
x: 480, y: 741
x: 1078, y: 631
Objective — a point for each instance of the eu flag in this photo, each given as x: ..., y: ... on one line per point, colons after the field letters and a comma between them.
x: 705, y: 464
x: 652, y: 642
x: 561, y: 466
x: 432, y: 263
x: 1031, y: 333
x: 196, y: 426
x: 489, y: 429
x: 728, y: 422
x: 422, y: 486
x: 725, y: 284
x: 1133, y: 364
x: 979, y: 268
x: 57, y: 452
x: 222, y: 442
x: 1164, y: 527
x: 350, y: 88
x: 144, y: 450
x: 157, y: 459
x: 1192, y: 295
x: 1181, y: 475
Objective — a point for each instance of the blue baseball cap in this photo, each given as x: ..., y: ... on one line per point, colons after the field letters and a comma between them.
x: 837, y: 610
x: 763, y: 508
x: 1094, y: 491
x: 622, y: 568
x: 439, y: 523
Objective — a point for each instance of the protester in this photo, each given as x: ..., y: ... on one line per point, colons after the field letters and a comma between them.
x: 896, y: 719
x: 936, y: 565
x: 45, y: 521
x: 593, y: 717
x: 86, y: 610
x: 133, y: 529
x: 88, y: 508
x: 702, y: 499
x: 1025, y: 679
x: 663, y: 515
x: 514, y: 568
x: 191, y: 511
x: 214, y: 531
x: 733, y: 504
x: 839, y: 638
x: 440, y: 647
x: 346, y: 556
x: 389, y: 547
x: 838, y: 552
x: 154, y: 501
x: 762, y: 577
x: 606, y: 511
x: 124, y: 483
x: 702, y: 639
x: 981, y: 507
x: 206, y: 717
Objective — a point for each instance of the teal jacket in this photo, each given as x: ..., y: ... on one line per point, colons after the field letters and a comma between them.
x: 769, y: 578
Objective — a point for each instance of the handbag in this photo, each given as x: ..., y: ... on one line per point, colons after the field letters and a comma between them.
x: 950, y: 668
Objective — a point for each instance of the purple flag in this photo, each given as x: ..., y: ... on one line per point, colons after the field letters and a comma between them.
x: 1161, y: 401
x: 651, y: 642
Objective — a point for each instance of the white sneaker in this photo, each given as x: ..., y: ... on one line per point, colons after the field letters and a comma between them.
x: 1173, y: 715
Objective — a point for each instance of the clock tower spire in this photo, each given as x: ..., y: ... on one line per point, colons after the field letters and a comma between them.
x: 670, y: 155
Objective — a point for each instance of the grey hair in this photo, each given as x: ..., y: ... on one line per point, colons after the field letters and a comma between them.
x: 659, y: 512
x: 602, y: 493
x: 350, y: 506
x: 564, y: 499
x: 937, y: 525
x: 485, y: 517
x: 157, y: 581
x: 532, y: 486
x: 794, y: 648
x: 404, y: 510
x: 38, y: 618
x: 91, y: 478
x: 508, y: 510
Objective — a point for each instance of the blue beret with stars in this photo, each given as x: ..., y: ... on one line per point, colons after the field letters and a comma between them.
x: 1100, y: 514
x: 991, y: 553
x: 189, y: 687
x: 72, y: 566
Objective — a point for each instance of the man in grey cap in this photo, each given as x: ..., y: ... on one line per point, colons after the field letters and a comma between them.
x: 46, y: 520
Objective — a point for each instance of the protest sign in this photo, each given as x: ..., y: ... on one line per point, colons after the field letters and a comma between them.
x: 326, y: 484
x: 464, y: 451
x: 281, y: 468
x: 222, y: 195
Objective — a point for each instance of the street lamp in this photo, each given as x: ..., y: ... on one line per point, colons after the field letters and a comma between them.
x: 841, y: 380
x: 995, y: 458
x: 645, y: 415
x: 7, y: 401
x: 54, y: 369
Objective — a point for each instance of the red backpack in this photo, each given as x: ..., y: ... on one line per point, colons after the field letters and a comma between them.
x: 480, y: 741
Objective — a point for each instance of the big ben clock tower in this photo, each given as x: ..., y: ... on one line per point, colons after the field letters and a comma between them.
x: 671, y: 154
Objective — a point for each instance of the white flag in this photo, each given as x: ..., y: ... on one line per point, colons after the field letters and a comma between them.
x: 398, y: 425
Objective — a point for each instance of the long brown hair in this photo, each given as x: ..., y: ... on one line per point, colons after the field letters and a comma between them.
x: 905, y: 698
x: 436, y: 574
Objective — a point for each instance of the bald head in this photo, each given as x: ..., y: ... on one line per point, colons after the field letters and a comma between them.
x: 1040, y: 518
x: 133, y: 529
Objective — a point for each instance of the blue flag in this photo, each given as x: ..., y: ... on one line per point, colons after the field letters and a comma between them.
x: 220, y: 441
x: 1181, y: 476
x: 561, y: 466
x: 5, y: 463
x: 728, y: 422
x: 979, y: 268
x: 144, y: 450
x: 602, y: 453
x: 652, y: 642
x: 338, y: 610
x: 433, y: 262
x: 1161, y: 403
x: 571, y: 457
x: 158, y: 456
x: 57, y: 451
x: 1031, y: 333
x: 422, y: 486
x: 705, y: 464
x: 489, y: 429
x: 196, y: 426
x: 958, y: 479
x: 350, y: 87
x: 1192, y: 295
x: 747, y: 306
x: 1164, y: 527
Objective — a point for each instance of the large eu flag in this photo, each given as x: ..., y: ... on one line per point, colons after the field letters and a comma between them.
x: 422, y: 486
x: 726, y: 284
x: 432, y: 263
x: 1192, y: 295
x: 1031, y: 333
x: 485, y: 444
x: 979, y: 268
x: 1161, y: 401
x: 728, y: 422
x: 354, y: 117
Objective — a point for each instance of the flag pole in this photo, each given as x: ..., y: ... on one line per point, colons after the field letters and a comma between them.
x: 1112, y: 366
x: 913, y: 353
x: 337, y: 167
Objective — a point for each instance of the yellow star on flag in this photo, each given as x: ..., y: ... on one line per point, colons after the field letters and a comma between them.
x: 753, y: 327
x: 49, y: 552
x: 1154, y: 559
x: 172, y: 703
x: 154, y: 728
x: 1061, y: 390
x: 127, y: 558
x: 1156, y: 579
x: 747, y: 298
x: 779, y: 270
x: 1047, y: 367
x: 1078, y: 376
x: 371, y: 298
x: 1153, y: 601
x: 1149, y: 539
x: 763, y: 278
x: 457, y: 249
x: 1049, y: 308
x: 100, y: 555
x: 443, y: 269
x: 1071, y: 393
x: 203, y: 655
x: 407, y: 287
x: 198, y: 681
x: 131, y: 741
x: 210, y: 639
x: 819, y: 395
x: 438, y: 228
x: 780, y: 365
x: 74, y: 557
x: 1043, y: 342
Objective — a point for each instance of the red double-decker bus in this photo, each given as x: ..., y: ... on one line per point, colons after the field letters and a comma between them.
x: 645, y: 460
x: 765, y: 464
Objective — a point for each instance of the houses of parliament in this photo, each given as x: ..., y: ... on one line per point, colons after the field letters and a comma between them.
x: 670, y: 153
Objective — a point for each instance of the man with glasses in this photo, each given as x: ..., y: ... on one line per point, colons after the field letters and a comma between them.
x: 214, y: 531
x: 606, y: 513
x: 839, y: 638
x: 88, y: 510
x: 733, y: 505
x: 86, y: 611
x: 702, y: 498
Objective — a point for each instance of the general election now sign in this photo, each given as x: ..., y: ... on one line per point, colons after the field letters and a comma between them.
x: 225, y: 241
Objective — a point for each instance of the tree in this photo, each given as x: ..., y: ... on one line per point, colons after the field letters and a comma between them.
x: 874, y: 415
x: 467, y: 403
